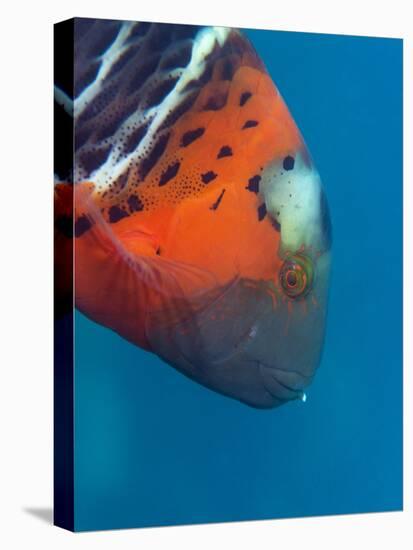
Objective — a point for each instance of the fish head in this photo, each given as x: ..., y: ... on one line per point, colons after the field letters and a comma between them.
x: 287, y: 342
x: 260, y: 341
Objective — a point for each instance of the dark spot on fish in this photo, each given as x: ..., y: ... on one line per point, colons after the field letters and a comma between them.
x: 262, y: 211
x: 244, y: 98
x: 116, y: 214
x: 92, y: 159
x: 81, y: 137
x: 201, y: 81
x: 191, y: 136
x: 160, y: 37
x: 121, y: 181
x: 152, y: 158
x: 106, y: 128
x: 276, y: 225
x: 216, y: 102
x: 254, y: 184
x: 123, y: 61
x: 98, y: 104
x: 225, y: 151
x: 82, y: 224
x: 86, y: 78
x: 104, y: 38
x: 82, y: 28
x: 169, y: 173
x: 139, y: 29
x: 178, y: 58
x: 250, y: 124
x: 218, y: 201
x: 182, y: 32
x: 288, y: 163
x: 234, y: 48
x: 227, y: 71
x: 142, y: 72
x: 135, y: 204
x: 208, y: 176
x: 213, y: 55
x: 136, y: 137
x: 159, y: 93
x: 112, y: 119
x: 180, y: 110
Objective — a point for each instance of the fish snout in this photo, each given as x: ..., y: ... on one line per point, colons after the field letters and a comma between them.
x: 283, y: 385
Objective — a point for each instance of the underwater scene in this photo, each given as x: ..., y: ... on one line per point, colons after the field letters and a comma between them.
x: 238, y: 274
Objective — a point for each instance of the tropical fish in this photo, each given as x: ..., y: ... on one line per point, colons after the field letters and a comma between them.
x: 201, y: 229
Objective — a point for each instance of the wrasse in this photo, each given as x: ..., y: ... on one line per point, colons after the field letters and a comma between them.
x: 201, y: 229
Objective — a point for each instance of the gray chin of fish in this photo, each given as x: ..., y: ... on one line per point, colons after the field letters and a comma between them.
x: 244, y: 345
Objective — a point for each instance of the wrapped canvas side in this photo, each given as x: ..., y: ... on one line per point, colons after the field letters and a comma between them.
x: 63, y: 279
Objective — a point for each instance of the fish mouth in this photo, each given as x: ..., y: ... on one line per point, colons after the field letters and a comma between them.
x: 283, y: 385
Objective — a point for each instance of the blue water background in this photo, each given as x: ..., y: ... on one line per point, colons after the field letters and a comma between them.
x: 153, y: 448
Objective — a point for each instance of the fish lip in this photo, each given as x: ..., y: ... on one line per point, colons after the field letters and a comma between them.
x: 278, y: 387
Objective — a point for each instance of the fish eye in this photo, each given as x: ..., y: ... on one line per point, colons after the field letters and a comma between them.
x: 296, y: 276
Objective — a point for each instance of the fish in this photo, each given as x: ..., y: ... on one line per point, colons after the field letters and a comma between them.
x: 201, y: 230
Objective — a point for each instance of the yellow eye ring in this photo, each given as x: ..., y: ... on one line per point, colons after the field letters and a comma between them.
x: 296, y: 276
